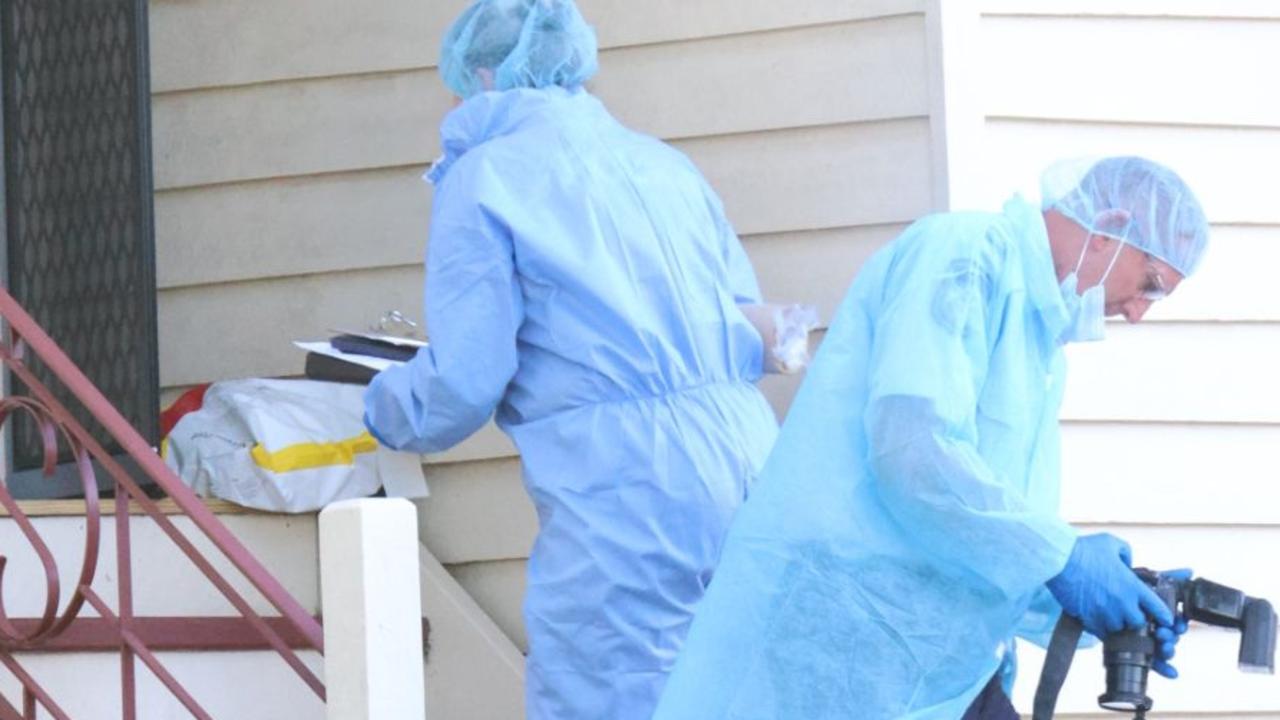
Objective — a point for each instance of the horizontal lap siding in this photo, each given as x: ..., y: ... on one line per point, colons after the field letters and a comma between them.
x: 296, y: 128
x: 1195, y: 9
x: 1170, y: 71
x: 1233, y: 166
x: 839, y: 73
x: 275, y: 191
x: 211, y: 332
x: 497, y: 586
x: 289, y: 137
x: 818, y: 168
x: 239, y: 42
x: 358, y: 220
x: 779, y: 182
x: 1177, y: 372
x: 1214, y: 474
x: 1171, y: 427
x: 200, y: 44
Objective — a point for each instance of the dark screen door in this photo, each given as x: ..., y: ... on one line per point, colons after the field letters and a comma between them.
x: 78, y: 237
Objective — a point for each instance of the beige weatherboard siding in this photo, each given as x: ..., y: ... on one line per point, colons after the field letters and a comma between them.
x: 220, y: 178
x: 816, y: 169
x: 1172, y: 427
x: 289, y: 136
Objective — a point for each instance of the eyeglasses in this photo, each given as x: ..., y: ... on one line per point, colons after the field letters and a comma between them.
x: 1155, y: 287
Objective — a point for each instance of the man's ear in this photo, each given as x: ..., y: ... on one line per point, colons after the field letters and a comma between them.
x: 1112, y: 223
x: 1100, y: 241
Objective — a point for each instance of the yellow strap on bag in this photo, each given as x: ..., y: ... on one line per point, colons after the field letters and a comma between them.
x: 304, y: 456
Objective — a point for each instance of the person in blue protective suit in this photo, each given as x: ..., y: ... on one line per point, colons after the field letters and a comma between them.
x: 582, y: 281
x: 905, y: 527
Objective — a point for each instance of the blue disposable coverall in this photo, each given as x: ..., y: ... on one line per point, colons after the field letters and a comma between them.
x: 582, y: 280
x: 906, y: 522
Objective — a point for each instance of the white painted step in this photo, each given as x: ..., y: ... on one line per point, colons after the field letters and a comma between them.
x: 249, y: 685
x: 474, y: 670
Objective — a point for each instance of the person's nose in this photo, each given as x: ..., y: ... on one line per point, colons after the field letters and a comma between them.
x: 1136, y: 308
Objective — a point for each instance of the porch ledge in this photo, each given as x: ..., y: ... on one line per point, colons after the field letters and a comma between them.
x: 75, y: 508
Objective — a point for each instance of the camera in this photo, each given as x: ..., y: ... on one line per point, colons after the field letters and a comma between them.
x: 1128, y: 655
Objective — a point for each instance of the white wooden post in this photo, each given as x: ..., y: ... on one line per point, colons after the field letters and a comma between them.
x: 372, y: 610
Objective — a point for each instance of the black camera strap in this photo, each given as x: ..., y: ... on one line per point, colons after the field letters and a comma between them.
x: 1057, y: 663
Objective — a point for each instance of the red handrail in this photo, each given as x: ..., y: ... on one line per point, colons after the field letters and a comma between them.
x: 50, y: 414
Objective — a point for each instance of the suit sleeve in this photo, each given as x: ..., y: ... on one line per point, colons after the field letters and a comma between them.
x: 474, y: 310
x: 928, y: 368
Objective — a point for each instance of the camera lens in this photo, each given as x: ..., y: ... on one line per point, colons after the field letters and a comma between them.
x: 1125, y: 704
x: 1127, y: 657
x: 1126, y: 687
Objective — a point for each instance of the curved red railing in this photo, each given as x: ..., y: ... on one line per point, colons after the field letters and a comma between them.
x: 129, y: 634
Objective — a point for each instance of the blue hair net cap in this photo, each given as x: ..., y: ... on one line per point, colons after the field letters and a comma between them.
x: 1161, y: 215
x: 522, y: 43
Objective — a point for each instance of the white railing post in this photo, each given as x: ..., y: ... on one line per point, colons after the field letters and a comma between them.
x: 372, y: 610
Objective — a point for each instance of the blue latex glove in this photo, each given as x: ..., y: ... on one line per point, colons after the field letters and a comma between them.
x: 1098, y: 587
x: 1167, y: 637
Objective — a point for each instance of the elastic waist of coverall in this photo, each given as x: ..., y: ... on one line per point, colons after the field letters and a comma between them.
x: 747, y: 387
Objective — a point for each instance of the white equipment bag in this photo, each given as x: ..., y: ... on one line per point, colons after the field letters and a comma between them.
x: 286, y: 446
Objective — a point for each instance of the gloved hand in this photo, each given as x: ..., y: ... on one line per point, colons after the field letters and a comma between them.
x: 1167, y: 637
x: 1098, y: 587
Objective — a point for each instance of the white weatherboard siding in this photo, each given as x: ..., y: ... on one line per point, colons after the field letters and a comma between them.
x: 1172, y: 426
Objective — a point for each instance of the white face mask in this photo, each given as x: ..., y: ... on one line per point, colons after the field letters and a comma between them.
x: 1086, y: 311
